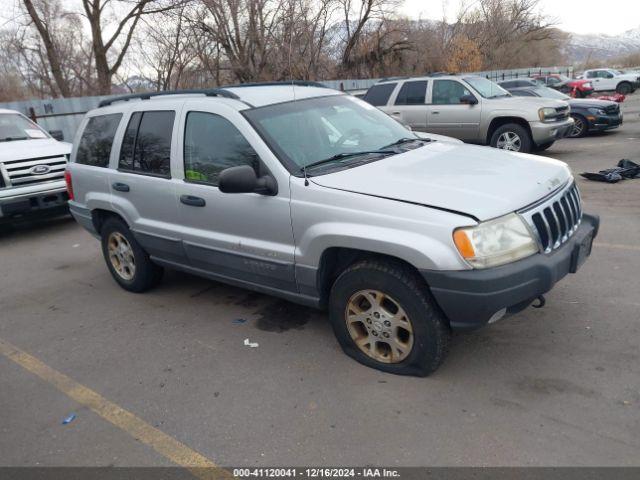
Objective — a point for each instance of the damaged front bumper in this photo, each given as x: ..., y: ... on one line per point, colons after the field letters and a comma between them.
x: 472, y: 298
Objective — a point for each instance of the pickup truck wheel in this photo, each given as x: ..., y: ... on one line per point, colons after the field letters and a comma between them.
x: 128, y: 263
x: 624, y: 88
x: 512, y: 137
x: 384, y: 317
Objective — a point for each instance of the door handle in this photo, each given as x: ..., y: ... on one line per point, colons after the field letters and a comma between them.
x: 396, y: 114
x: 435, y: 113
x: 192, y: 201
x: 121, y: 187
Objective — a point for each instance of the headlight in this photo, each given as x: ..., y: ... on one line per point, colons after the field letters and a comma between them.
x: 597, y: 111
x: 547, y: 113
x: 587, y: 85
x: 496, y: 242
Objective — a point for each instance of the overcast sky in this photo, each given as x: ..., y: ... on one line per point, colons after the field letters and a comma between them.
x: 580, y: 16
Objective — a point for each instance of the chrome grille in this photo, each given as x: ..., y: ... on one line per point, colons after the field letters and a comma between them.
x: 563, y: 113
x: 28, y: 171
x: 555, y: 219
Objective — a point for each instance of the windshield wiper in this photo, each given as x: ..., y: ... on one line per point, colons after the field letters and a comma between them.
x: 404, y: 140
x: 342, y: 156
x: 9, y: 139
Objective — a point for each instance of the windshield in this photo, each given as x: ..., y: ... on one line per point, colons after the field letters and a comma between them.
x: 14, y: 126
x: 306, y: 132
x: 487, y: 88
x: 550, y: 93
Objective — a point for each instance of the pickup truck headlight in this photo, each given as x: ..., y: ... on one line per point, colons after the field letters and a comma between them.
x: 547, y: 114
x: 587, y: 85
x: 495, y: 242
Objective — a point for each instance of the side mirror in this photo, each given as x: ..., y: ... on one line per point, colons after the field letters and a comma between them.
x: 243, y: 179
x: 57, y: 134
x: 468, y: 100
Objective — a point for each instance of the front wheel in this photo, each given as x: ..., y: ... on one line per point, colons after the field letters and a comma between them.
x: 624, y: 88
x: 128, y: 263
x: 580, y: 128
x: 384, y: 317
x: 512, y: 137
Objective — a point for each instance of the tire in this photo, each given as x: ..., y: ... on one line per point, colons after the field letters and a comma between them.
x: 624, y: 88
x: 423, y: 345
x: 516, y: 138
x: 136, y: 272
x: 580, y: 128
x: 544, y: 146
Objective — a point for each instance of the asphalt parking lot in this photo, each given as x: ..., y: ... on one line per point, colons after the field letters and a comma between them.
x: 168, y: 371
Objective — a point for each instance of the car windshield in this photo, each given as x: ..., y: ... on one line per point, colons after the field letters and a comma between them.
x: 487, y: 88
x: 550, y: 93
x: 336, y: 131
x: 14, y: 126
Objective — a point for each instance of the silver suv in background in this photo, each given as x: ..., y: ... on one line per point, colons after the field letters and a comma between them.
x: 473, y: 109
x: 32, y: 166
x: 317, y: 197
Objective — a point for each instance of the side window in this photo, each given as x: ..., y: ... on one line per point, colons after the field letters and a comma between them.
x: 212, y: 144
x: 553, y: 80
x: 592, y: 74
x: 146, y: 146
x: 96, y: 141
x: 412, y: 93
x: 378, y: 95
x: 521, y: 93
x: 448, y: 92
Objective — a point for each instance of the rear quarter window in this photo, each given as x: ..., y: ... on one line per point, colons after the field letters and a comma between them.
x: 97, y: 139
x: 378, y: 95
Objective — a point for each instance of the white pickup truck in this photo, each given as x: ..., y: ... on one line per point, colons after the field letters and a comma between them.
x: 32, y: 165
x: 607, y: 79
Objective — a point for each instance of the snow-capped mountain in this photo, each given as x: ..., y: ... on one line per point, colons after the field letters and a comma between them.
x: 598, y: 46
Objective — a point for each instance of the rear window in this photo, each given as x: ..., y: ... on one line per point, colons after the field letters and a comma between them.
x: 412, y: 93
x: 146, y: 146
x: 97, y: 139
x: 378, y: 95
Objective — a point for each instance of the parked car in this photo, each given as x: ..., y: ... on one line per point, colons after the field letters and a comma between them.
x: 607, y: 79
x: 517, y: 82
x: 473, y: 109
x: 31, y: 169
x: 589, y: 115
x: 317, y: 197
x: 578, y: 88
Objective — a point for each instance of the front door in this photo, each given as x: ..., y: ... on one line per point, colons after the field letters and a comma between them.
x: 449, y: 116
x: 245, y: 237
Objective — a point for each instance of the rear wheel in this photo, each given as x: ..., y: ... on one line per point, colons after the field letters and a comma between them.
x: 384, y: 317
x: 580, y: 127
x: 128, y: 263
x: 512, y: 137
x: 624, y: 88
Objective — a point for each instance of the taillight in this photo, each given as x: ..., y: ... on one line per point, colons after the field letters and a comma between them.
x: 67, y: 179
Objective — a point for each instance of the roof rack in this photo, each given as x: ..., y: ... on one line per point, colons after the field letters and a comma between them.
x: 297, y: 83
x: 210, y: 92
x: 389, y: 79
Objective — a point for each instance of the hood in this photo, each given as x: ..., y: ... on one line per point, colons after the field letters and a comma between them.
x: 586, y: 103
x: 479, y: 181
x: 25, y: 149
x: 525, y: 105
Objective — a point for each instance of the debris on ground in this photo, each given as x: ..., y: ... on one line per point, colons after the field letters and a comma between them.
x: 250, y: 344
x: 616, y: 97
x: 69, y: 419
x: 625, y: 169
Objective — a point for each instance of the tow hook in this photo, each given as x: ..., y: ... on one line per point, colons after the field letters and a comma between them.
x: 541, y: 302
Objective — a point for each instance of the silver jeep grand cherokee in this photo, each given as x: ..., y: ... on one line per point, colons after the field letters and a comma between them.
x: 320, y: 198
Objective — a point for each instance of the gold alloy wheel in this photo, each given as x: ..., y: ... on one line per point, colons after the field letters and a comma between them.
x: 379, y: 326
x: 121, y: 256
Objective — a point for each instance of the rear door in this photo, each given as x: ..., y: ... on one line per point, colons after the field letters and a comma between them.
x: 409, y: 105
x: 245, y: 237
x: 142, y: 188
x: 448, y: 116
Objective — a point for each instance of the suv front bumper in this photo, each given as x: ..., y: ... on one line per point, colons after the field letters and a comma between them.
x: 543, y: 133
x: 470, y: 298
